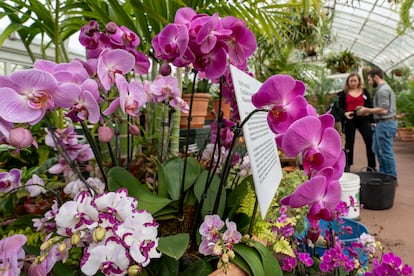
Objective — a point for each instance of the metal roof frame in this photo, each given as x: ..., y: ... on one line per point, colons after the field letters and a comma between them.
x: 368, y: 28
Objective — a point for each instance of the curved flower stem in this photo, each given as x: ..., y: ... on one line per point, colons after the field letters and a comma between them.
x: 95, y: 151
x: 23, y: 187
x: 187, y: 142
x: 70, y: 162
x: 256, y: 203
x: 227, y: 166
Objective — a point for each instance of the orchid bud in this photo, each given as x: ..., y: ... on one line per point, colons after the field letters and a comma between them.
x: 111, y: 27
x: 225, y: 258
x: 45, y: 245
x: 105, y: 134
x: 20, y: 137
x: 165, y: 69
x: 313, y: 234
x: 134, y: 270
x: 98, y: 234
x: 62, y: 247
x: 134, y: 130
x: 217, y: 250
x: 42, y: 258
x: 75, y: 239
x: 231, y: 254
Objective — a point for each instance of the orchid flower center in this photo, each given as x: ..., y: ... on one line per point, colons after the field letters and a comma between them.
x: 314, y: 157
x: 278, y: 111
x: 40, y: 100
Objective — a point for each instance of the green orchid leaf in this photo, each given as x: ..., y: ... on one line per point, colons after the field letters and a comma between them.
x: 199, y: 267
x: 252, y: 257
x: 270, y: 264
x: 168, y: 266
x: 237, y: 195
x: 171, y: 175
x: 174, y: 246
x: 240, y: 262
x: 210, y: 200
x: 119, y: 177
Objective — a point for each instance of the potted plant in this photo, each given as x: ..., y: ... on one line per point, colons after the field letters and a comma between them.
x: 342, y: 62
x: 111, y: 217
x: 405, y: 108
x: 199, y: 98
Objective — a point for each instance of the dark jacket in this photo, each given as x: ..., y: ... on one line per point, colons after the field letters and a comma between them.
x: 342, y: 102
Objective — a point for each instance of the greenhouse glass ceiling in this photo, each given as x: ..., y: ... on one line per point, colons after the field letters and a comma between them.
x: 368, y: 28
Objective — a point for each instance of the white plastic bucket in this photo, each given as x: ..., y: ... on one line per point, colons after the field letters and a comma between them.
x: 351, y: 184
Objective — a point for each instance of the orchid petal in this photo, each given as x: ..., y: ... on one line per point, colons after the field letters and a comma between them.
x: 14, y: 107
x: 278, y: 89
x: 301, y: 134
x: 307, y: 193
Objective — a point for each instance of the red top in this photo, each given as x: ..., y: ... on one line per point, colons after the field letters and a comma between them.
x: 353, y: 102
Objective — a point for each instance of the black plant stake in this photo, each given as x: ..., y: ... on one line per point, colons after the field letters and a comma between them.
x: 227, y: 165
x: 187, y: 143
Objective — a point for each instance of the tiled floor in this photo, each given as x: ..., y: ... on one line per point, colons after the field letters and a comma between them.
x: 393, y: 227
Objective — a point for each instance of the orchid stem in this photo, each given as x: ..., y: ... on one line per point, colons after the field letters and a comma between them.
x: 95, y: 150
x: 187, y: 142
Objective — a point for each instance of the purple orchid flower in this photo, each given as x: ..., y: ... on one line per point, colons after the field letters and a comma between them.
x: 111, y: 62
x: 11, y: 250
x: 132, y: 97
x: 83, y: 104
x: 122, y: 37
x: 142, y: 63
x: 320, y: 144
x: 164, y: 87
x: 89, y: 35
x: 184, y: 15
x: 242, y: 42
x: 10, y: 180
x: 171, y: 42
x: 284, y: 96
x: 26, y: 96
x: 321, y: 194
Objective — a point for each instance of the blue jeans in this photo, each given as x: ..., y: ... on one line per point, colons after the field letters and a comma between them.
x: 383, y: 139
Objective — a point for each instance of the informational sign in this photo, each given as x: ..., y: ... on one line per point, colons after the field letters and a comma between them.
x: 260, y: 141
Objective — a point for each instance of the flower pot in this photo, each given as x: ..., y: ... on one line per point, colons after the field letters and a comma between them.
x: 377, y: 190
x: 405, y: 134
x: 225, y: 108
x: 199, y: 110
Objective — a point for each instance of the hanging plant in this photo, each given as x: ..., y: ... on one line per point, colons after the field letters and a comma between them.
x: 342, y: 62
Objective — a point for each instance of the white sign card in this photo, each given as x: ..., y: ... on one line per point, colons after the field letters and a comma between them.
x: 260, y: 141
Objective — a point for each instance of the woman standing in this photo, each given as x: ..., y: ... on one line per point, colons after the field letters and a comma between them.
x: 355, y: 95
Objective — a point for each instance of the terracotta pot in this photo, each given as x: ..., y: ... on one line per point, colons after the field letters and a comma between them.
x: 233, y: 270
x: 199, y: 112
x: 225, y: 108
x: 405, y: 134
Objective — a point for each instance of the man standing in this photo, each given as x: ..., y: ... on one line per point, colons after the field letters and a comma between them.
x: 384, y: 112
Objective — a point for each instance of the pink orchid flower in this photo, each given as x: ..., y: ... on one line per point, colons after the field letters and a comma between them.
x: 164, y: 87
x: 26, y: 96
x: 283, y: 95
x: 35, y: 186
x: 132, y: 97
x: 171, y: 42
x: 11, y: 252
x: 83, y: 104
x: 320, y: 193
x: 112, y: 62
x: 179, y: 103
x: 10, y: 180
x: 122, y: 37
x: 319, y: 143
x: 242, y: 41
